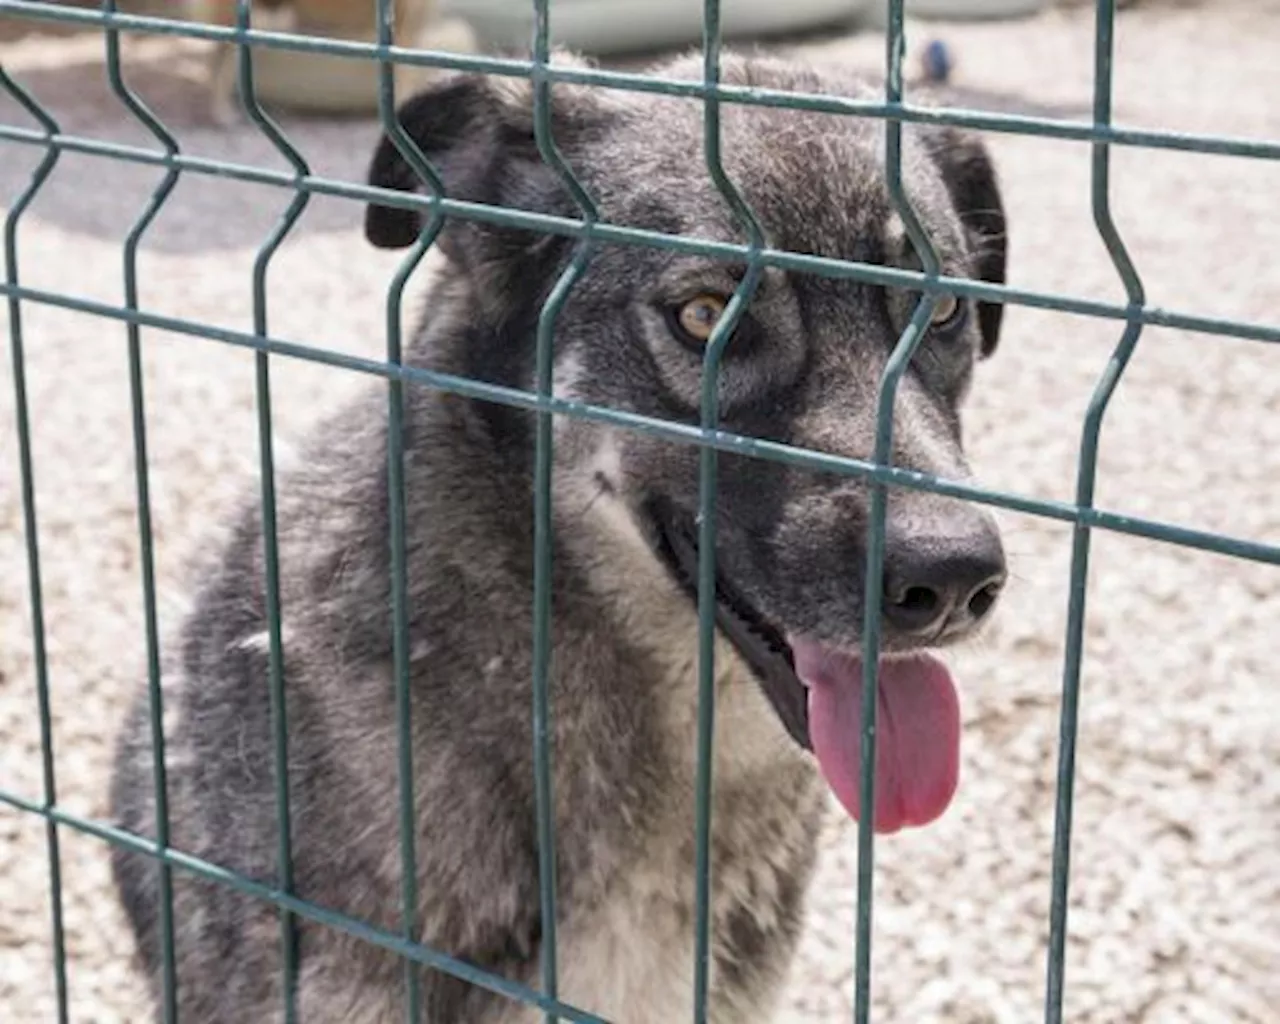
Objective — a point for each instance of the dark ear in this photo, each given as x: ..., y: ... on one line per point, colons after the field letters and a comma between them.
x: 454, y: 124
x: 970, y: 178
x: 477, y: 133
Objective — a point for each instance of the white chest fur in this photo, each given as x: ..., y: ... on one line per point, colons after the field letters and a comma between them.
x: 628, y: 964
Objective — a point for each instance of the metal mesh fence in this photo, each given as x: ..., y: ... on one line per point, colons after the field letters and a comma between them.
x: 589, y: 230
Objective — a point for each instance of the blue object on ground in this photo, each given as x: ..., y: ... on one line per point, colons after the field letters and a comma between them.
x: 937, y: 61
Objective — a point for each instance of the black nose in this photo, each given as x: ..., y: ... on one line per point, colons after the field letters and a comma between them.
x: 939, y: 584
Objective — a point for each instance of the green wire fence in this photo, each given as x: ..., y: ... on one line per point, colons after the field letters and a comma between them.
x: 589, y: 231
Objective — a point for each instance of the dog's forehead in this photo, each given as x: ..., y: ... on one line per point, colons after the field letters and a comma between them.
x: 815, y: 181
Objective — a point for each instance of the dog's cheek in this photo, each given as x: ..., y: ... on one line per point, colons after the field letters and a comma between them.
x: 810, y: 579
x: 793, y: 541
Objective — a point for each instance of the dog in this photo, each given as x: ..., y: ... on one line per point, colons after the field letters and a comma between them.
x: 802, y: 367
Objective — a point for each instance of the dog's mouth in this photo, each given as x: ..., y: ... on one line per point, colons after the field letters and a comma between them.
x: 817, y: 693
x: 762, y: 645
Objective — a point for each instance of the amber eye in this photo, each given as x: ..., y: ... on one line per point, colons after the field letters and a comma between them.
x: 949, y: 312
x: 697, y: 318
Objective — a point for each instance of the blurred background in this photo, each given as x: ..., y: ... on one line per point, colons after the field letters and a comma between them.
x: 1175, y: 901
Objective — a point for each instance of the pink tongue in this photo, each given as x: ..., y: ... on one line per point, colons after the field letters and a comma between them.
x: 918, y: 732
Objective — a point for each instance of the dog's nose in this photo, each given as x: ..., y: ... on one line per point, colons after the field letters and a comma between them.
x: 940, y: 584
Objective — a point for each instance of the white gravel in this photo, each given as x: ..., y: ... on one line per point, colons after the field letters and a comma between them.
x: 1175, y: 909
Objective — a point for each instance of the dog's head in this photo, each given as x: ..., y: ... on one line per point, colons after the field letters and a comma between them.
x: 802, y: 367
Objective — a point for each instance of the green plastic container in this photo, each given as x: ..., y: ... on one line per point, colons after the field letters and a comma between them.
x: 619, y: 26
x: 955, y: 10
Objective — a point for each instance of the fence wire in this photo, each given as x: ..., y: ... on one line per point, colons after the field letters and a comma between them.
x: 589, y: 231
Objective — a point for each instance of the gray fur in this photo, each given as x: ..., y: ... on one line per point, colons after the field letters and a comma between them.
x: 802, y: 370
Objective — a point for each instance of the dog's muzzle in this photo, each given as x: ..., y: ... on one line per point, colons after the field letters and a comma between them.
x: 760, y: 644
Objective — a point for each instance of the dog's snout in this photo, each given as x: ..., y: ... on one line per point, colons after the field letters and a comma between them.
x: 941, y: 584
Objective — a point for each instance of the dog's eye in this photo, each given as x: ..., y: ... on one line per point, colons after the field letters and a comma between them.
x: 696, y: 319
x: 949, y: 314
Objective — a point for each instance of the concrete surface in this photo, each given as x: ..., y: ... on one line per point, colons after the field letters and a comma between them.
x: 1175, y: 907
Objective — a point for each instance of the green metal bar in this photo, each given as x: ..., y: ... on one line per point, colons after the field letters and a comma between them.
x: 1115, y: 522
x: 400, y: 624
x: 431, y: 179
x: 1104, y: 47
x: 291, y: 904
x: 544, y: 461
x: 899, y: 360
x: 270, y: 540
x: 32, y: 529
x: 1014, y: 124
x: 708, y: 473
x: 821, y: 266
x: 169, y: 1004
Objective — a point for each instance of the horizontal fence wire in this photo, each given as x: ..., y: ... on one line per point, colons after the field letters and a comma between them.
x: 603, y: 232
x: 305, y: 909
x: 589, y: 231
x: 1078, y: 131
x: 1115, y: 522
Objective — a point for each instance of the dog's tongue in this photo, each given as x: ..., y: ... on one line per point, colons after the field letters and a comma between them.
x: 917, y: 725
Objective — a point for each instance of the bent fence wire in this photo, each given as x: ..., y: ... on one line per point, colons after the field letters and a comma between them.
x: 166, y: 153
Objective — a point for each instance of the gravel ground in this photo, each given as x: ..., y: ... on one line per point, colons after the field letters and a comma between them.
x: 1175, y: 909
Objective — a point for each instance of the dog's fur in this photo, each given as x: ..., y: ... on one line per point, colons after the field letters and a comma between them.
x: 803, y: 368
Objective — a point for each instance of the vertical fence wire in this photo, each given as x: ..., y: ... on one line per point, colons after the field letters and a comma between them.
x: 164, y: 873
x: 270, y: 541
x: 899, y: 360
x: 1087, y: 471
x: 30, y: 523
x: 544, y: 460
x: 432, y: 181
x: 707, y: 485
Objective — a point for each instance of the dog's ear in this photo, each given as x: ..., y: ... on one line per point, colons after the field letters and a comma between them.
x: 478, y: 134
x: 454, y: 124
x: 970, y: 178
